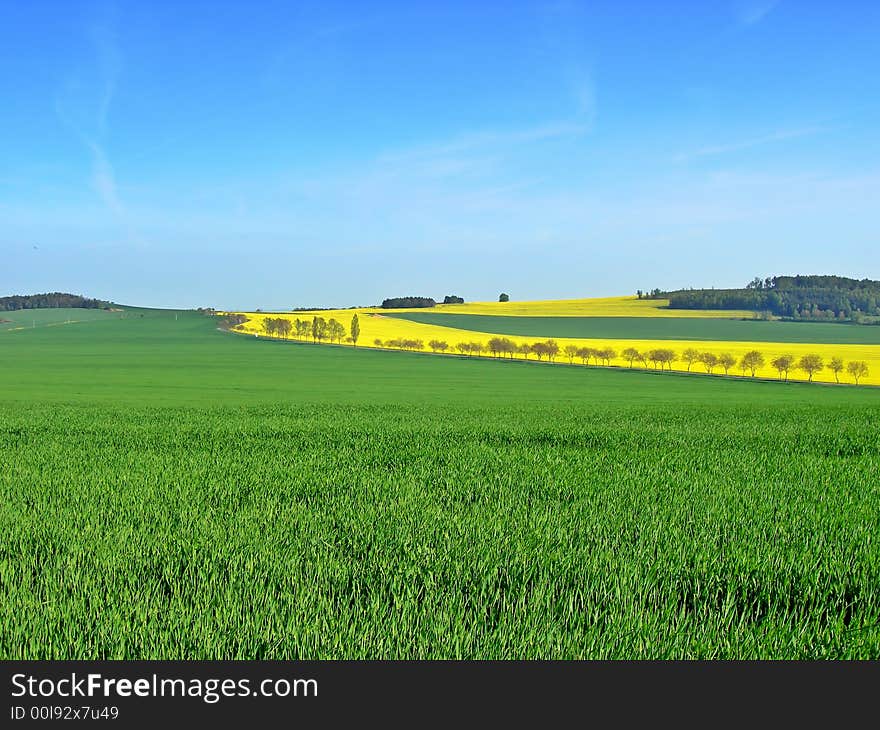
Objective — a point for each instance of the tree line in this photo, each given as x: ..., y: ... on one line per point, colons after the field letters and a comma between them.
x: 824, y: 298
x: 319, y: 329
x: 418, y: 302
x: 51, y: 300
x: 408, y: 303
x: 660, y: 358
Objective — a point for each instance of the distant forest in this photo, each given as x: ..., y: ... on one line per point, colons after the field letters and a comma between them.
x: 408, y: 302
x: 824, y: 298
x: 53, y: 300
x: 421, y: 302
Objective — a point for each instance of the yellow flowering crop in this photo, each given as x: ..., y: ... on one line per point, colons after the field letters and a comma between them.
x: 374, y: 325
x: 601, y: 307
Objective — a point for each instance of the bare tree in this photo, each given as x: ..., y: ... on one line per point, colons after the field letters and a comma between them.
x: 727, y: 361
x: 836, y: 366
x: 752, y: 361
x: 571, y: 352
x: 508, y: 347
x: 710, y: 360
x: 607, y: 354
x: 858, y: 369
x: 783, y: 364
x: 665, y: 357
x: 438, y: 345
x: 690, y: 356
x: 811, y: 364
x: 630, y: 353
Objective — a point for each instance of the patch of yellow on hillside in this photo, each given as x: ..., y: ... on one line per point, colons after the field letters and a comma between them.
x: 375, y: 326
x: 598, y: 307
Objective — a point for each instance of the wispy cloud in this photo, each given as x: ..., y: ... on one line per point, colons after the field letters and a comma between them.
x: 103, y: 178
x: 754, y: 11
x: 745, y: 144
x: 489, y: 140
x: 85, y: 102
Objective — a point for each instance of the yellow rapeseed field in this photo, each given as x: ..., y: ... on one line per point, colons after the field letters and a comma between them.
x: 630, y: 306
x: 375, y: 326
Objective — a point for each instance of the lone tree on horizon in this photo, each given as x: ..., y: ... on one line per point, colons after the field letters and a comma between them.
x: 355, y: 330
x: 503, y: 297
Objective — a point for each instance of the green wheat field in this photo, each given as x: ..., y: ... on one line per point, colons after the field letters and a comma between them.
x: 171, y: 491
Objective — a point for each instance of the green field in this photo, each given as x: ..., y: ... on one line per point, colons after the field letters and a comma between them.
x: 31, y: 318
x: 171, y: 491
x: 655, y: 328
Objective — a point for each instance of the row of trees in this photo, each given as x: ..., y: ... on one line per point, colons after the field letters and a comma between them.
x: 660, y: 358
x: 812, y: 364
x: 319, y: 329
x: 752, y: 361
x: 401, y: 344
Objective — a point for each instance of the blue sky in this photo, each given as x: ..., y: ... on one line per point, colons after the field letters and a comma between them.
x: 278, y: 154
